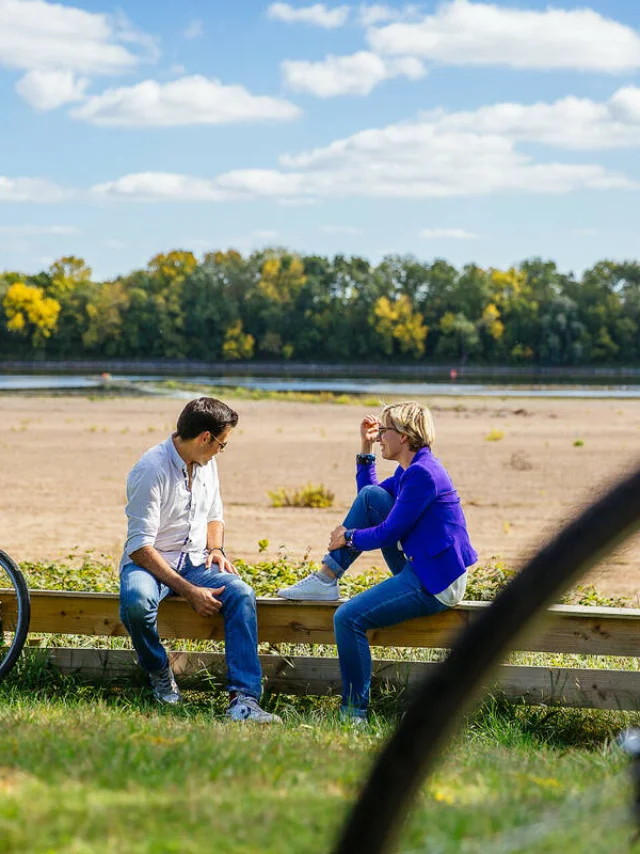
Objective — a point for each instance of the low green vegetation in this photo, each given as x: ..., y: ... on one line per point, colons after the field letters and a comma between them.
x: 243, y: 393
x: 494, y: 435
x: 306, y: 496
x: 99, y: 769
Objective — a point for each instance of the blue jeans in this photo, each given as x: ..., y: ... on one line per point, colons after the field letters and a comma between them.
x: 141, y: 594
x: 393, y: 601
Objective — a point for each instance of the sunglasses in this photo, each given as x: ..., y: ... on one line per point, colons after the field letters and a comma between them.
x: 223, y: 445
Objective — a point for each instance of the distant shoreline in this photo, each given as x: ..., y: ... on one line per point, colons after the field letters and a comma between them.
x: 306, y: 369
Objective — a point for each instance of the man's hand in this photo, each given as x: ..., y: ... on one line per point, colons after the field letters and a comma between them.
x: 224, y: 565
x: 369, y: 432
x: 336, y: 540
x: 203, y: 600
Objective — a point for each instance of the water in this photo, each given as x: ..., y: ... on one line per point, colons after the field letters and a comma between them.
x: 372, y: 387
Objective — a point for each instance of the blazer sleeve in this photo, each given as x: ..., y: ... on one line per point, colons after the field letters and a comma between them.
x: 367, y: 476
x: 417, y: 492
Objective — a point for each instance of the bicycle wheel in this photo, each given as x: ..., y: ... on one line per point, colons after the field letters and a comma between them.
x: 15, y: 612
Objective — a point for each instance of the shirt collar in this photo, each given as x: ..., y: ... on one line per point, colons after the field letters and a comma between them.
x: 174, y: 456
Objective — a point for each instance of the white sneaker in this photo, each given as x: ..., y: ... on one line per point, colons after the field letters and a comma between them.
x: 353, y: 720
x: 312, y: 588
x: 246, y: 708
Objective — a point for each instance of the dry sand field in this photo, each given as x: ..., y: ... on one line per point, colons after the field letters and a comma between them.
x: 64, y: 462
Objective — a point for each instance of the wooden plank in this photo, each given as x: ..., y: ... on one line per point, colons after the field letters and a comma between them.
x: 564, y: 629
x: 580, y: 688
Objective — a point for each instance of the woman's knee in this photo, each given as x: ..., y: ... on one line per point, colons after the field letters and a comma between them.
x: 376, y: 498
x: 345, y: 618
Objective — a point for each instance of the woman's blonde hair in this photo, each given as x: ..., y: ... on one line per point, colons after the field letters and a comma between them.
x: 413, y: 420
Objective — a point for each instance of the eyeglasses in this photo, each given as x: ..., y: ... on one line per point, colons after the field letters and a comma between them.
x: 223, y: 445
x: 383, y: 430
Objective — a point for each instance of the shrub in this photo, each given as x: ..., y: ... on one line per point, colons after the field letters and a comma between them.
x: 578, y: 443
x: 306, y: 496
x: 494, y: 435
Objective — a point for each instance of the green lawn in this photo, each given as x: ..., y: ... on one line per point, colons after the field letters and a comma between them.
x: 101, y: 769
x: 89, y: 769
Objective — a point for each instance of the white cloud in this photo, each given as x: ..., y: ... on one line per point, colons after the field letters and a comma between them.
x: 573, y: 123
x: 437, y: 156
x: 265, y: 234
x: 466, y: 33
x: 378, y: 13
x: 35, y: 34
x: 166, y: 186
x: 47, y: 90
x: 447, y: 234
x: 317, y: 15
x: 340, y: 229
x: 194, y: 30
x: 39, y: 230
x: 30, y: 190
x: 193, y: 100
x: 357, y: 74
x: 114, y: 243
x: 585, y: 232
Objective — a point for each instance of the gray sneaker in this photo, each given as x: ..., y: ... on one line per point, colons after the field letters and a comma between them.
x: 164, y: 686
x: 312, y: 588
x: 246, y: 708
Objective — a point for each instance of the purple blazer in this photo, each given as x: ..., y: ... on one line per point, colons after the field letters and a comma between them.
x: 426, y: 519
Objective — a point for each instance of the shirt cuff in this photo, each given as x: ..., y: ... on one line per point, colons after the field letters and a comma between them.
x: 138, y: 542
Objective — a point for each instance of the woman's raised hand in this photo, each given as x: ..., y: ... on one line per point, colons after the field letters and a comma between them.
x: 369, y: 432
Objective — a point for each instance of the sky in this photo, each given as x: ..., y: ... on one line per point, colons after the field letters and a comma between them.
x: 473, y: 131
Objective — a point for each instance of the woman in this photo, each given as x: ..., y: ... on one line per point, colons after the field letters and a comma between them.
x: 416, y: 519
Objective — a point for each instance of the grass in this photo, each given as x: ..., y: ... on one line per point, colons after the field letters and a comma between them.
x: 242, y: 393
x: 306, y: 496
x: 99, y: 769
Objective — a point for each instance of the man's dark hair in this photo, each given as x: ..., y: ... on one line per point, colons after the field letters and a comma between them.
x: 205, y: 413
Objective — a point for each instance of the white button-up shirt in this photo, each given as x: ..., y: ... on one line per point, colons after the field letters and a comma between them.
x: 161, y: 510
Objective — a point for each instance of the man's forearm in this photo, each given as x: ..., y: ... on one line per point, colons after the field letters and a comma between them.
x: 215, y: 535
x: 150, y: 559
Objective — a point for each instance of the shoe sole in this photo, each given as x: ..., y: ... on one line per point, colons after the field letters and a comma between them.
x: 294, y: 598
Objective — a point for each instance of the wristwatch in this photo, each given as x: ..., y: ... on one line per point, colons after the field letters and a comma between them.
x: 218, y: 549
x: 348, y: 537
x: 365, y: 459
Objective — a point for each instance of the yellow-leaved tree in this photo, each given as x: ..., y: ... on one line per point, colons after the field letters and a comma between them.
x: 280, y: 281
x: 30, y: 312
x: 491, y: 321
x: 237, y: 344
x: 67, y: 274
x: 398, y: 323
x: 173, y: 267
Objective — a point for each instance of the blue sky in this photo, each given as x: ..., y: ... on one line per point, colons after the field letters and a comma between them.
x: 473, y: 131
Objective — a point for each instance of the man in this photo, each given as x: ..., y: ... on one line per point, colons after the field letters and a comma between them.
x: 175, y: 546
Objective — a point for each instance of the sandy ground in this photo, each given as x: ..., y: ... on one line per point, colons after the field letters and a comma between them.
x: 64, y: 462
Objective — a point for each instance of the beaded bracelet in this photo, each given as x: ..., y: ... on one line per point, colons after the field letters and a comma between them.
x: 365, y: 459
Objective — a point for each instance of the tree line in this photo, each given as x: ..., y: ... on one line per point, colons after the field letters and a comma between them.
x: 275, y: 305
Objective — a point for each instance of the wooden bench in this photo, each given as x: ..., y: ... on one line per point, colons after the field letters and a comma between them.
x: 563, y: 629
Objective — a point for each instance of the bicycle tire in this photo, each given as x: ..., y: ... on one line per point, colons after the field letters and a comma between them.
x: 19, y: 616
x: 411, y: 752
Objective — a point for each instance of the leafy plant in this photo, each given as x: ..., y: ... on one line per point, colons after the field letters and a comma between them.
x: 494, y: 435
x: 306, y: 496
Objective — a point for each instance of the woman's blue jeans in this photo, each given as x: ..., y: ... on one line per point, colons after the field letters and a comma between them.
x: 141, y: 594
x: 393, y: 601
